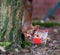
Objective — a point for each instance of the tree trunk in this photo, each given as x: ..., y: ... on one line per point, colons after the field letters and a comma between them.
x: 10, y: 24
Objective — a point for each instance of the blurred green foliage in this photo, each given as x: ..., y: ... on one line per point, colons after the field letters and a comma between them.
x: 46, y: 24
x: 5, y: 44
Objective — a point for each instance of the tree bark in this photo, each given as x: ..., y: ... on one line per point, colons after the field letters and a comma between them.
x: 10, y: 20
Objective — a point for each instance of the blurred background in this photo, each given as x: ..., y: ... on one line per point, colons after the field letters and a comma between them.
x: 41, y: 9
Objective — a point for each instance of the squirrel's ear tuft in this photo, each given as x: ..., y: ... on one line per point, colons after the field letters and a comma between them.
x: 30, y: 0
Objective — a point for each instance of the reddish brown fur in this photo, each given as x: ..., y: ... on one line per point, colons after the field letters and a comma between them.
x: 28, y: 12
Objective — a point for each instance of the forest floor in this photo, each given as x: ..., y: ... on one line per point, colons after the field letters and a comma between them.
x: 52, y: 48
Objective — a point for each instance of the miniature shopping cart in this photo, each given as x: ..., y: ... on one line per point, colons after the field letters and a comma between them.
x: 40, y: 36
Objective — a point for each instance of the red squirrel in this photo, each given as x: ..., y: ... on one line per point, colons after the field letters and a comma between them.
x: 27, y: 17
